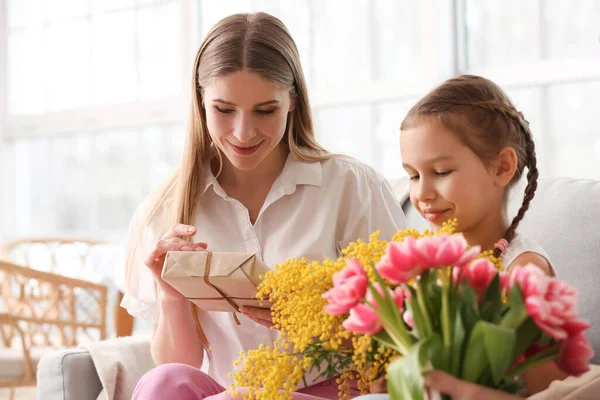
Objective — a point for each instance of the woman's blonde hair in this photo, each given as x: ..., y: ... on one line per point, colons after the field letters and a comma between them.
x: 258, y: 43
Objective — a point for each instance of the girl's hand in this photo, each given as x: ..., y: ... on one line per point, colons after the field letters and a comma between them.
x: 259, y: 315
x: 171, y: 241
x: 461, y: 390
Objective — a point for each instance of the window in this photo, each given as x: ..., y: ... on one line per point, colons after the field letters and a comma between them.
x: 96, y: 102
x: 546, y: 54
x: 97, y: 93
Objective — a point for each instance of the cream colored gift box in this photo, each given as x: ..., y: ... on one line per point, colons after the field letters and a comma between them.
x: 215, y: 281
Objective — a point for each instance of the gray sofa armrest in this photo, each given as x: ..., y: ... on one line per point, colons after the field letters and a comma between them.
x: 67, y: 375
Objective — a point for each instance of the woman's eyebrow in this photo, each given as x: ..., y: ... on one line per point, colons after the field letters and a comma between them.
x: 264, y: 103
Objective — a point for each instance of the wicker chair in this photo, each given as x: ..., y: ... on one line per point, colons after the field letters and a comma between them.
x: 47, y: 301
x: 38, y: 314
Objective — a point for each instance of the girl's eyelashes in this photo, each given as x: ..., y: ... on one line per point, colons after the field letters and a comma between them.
x: 443, y: 173
x: 414, y: 177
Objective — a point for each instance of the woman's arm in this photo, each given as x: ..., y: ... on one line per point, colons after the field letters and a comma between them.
x: 175, y: 339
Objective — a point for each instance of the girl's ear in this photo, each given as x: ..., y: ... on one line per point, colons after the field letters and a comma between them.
x: 505, y: 167
x: 292, y: 103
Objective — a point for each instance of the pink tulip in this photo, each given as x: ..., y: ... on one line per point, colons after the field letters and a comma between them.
x: 550, y: 302
x: 575, y: 326
x: 408, y: 318
x: 398, y: 264
x: 442, y: 250
x: 479, y: 274
x: 400, y: 294
x: 363, y: 319
x: 504, y: 280
x: 350, y: 286
x: 576, y: 353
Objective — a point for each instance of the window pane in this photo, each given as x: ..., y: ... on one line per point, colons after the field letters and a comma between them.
x: 296, y: 17
x: 88, y: 184
x: 61, y: 10
x: 572, y: 28
x: 160, y: 55
x: 66, y: 70
x: 387, y: 134
x: 211, y: 12
x: 114, y: 78
x: 572, y: 112
x: 26, y: 78
x: 341, y: 50
x: 397, y: 44
x: 69, y: 177
x: 99, y: 6
x: 33, y: 190
x: 118, y: 179
x: 530, y: 102
x: 348, y: 131
x: 502, y: 32
x: 22, y: 13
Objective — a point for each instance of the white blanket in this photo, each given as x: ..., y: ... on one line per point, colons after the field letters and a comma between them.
x: 120, y: 364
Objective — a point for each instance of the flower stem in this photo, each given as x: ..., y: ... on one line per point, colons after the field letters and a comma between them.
x: 421, y: 295
x: 446, y: 320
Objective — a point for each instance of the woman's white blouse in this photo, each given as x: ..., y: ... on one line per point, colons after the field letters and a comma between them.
x: 313, y: 210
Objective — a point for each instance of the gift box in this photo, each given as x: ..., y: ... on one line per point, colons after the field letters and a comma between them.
x: 215, y: 281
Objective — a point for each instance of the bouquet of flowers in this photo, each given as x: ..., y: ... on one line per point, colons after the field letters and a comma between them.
x: 313, y: 341
x: 435, y: 303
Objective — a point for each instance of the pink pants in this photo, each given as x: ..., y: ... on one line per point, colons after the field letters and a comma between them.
x: 184, y: 382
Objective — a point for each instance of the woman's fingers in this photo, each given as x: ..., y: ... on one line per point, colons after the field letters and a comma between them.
x: 264, y: 322
x: 259, y: 315
x: 180, y: 230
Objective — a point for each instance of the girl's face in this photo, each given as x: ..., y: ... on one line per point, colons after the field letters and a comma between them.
x: 246, y: 117
x: 447, y: 179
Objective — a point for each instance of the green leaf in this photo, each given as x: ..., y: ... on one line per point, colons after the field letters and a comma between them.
x: 405, y: 381
x: 435, y: 302
x: 499, y: 344
x: 468, y: 307
x: 419, y: 323
x: 489, y: 346
x: 458, y: 337
x: 517, y: 313
x: 527, y: 334
x: 475, y: 360
x: 540, y: 358
x: 545, y: 339
x: 385, y: 339
x: 491, y: 304
x: 390, y: 314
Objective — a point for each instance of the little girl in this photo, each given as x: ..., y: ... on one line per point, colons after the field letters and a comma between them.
x: 464, y: 146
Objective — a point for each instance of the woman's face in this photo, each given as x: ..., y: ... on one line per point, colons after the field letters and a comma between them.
x: 246, y: 117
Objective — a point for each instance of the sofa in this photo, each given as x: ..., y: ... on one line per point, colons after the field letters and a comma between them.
x: 564, y: 218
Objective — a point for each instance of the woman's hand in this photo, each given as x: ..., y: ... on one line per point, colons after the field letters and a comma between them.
x: 171, y: 241
x: 461, y: 390
x: 259, y: 315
